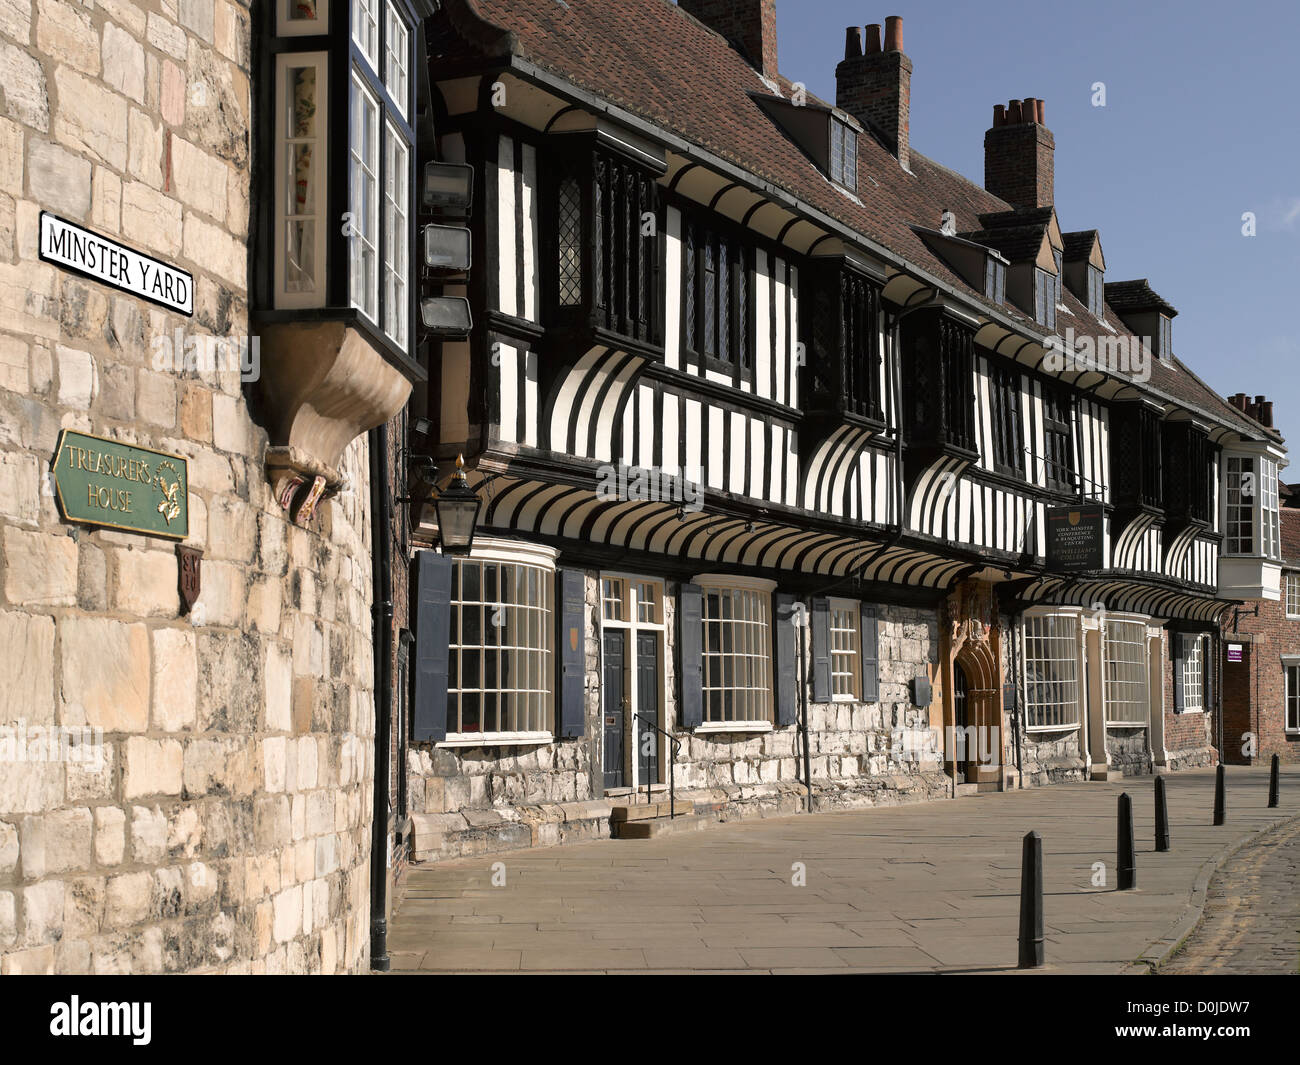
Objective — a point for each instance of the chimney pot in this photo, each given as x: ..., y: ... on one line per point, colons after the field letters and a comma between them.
x: 1029, y: 109
x: 873, y: 39
x: 999, y: 115
x: 852, y: 42
x: 894, y: 33
x: 1013, y: 113
x: 1266, y: 414
x: 1259, y: 401
x: 1042, y: 113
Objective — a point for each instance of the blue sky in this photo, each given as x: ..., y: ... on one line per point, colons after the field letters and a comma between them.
x: 1200, y: 126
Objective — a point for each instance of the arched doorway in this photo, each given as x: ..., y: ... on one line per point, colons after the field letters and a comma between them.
x: 960, y: 719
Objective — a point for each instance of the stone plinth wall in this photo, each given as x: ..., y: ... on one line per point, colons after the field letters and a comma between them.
x: 222, y: 818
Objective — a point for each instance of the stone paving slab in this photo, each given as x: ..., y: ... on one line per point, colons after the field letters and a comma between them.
x: 930, y: 887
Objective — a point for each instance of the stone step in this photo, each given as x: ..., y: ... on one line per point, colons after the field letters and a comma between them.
x: 661, y: 826
x: 648, y: 811
x: 962, y: 790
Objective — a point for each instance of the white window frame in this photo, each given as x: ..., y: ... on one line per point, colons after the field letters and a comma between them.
x: 1291, y: 594
x: 541, y: 672
x: 282, y: 297
x: 1291, y: 694
x: 1194, y: 648
x: 753, y: 653
x: 1236, y: 468
x: 1042, y: 647
x: 365, y: 30
x: 301, y: 27
x: 1270, y: 518
x: 363, y: 170
x: 1124, y: 676
x: 845, y: 650
x: 397, y: 74
x: 397, y: 222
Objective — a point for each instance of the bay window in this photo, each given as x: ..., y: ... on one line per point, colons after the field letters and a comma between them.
x: 736, y: 651
x: 1051, y: 671
x: 1124, y: 661
x: 340, y: 238
x: 499, y: 671
x: 1252, y: 519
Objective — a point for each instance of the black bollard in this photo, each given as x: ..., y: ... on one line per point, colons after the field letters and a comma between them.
x: 1031, y: 902
x: 1162, y: 816
x: 1274, y: 782
x: 1219, y: 810
x: 1126, y: 856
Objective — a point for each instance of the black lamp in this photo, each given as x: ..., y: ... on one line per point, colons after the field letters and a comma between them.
x: 457, y: 506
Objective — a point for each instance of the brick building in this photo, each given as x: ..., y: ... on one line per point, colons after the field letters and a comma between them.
x: 1261, y: 666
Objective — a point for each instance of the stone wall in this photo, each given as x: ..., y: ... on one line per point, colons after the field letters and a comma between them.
x: 223, y: 820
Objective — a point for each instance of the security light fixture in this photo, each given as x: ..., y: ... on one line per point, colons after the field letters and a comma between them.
x: 446, y: 316
x: 448, y: 186
x: 447, y: 247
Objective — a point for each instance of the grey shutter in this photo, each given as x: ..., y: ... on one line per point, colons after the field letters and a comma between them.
x: 784, y: 642
x: 821, y: 650
x: 690, y: 656
x: 571, y: 708
x: 1176, y: 642
x: 870, y: 654
x: 1211, y: 660
x: 432, y: 628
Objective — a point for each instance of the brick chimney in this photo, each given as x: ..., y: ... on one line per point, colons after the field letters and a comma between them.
x: 750, y: 26
x: 875, y: 85
x: 1018, y: 154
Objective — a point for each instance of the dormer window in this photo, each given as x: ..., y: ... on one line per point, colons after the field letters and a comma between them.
x: 1045, y: 297
x: 995, y: 280
x: 1165, y: 338
x: 1096, y: 292
x: 844, y: 154
x: 1060, y: 273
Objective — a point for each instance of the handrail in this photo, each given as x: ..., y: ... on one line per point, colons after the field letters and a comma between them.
x: 672, y: 762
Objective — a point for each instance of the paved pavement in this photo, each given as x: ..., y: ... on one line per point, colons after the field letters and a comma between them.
x: 1252, y: 914
x: 927, y: 887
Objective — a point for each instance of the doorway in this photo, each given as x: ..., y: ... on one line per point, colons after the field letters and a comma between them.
x: 960, y: 720
x: 632, y: 680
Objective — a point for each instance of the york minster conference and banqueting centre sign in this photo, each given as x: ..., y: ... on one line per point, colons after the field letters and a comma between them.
x: 121, y: 486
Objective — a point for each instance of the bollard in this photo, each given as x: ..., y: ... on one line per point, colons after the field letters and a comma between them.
x: 1274, y: 782
x: 1031, y: 902
x: 1219, y: 809
x: 1126, y: 857
x: 1162, y: 816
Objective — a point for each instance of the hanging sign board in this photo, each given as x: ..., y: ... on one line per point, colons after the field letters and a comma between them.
x: 120, y: 486
x: 1234, y: 652
x: 1074, y: 538
x: 104, y: 259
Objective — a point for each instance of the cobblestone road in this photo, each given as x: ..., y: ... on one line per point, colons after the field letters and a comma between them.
x: 1252, y: 913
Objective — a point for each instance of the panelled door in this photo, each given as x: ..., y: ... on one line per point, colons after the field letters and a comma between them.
x: 614, y: 702
x: 647, y: 700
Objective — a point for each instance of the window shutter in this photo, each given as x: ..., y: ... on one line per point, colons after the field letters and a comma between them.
x: 1210, y: 657
x: 571, y: 660
x: 821, y: 650
x: 1176, y: 643
x: 870, y: 654
x: 690, y: 656
x: 432, y: 628
x: 787, y: 662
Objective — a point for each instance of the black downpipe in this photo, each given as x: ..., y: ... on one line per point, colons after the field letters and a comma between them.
x: 803, y: 711
x: 381, y: 555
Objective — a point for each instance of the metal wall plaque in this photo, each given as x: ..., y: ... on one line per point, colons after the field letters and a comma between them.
x: 1075, y: 538
x: 104, y: 259
x: 121, y: 486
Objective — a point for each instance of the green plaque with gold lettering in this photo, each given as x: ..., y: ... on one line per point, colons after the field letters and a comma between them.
x: 121, y: 486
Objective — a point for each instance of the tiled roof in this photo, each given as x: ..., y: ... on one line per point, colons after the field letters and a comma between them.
x: 655, y: 61
x: 1078, y: 245
x: 1016, y: 243
x: 1136, y: 296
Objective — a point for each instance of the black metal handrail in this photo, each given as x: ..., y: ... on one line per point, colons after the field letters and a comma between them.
x: 672, y: 762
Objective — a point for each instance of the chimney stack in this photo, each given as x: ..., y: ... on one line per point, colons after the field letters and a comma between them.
x: 750, y: 26
x: 876, y: 86
x: 1019, y: 154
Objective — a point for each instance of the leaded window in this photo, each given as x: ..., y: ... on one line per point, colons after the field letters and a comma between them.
x: 1058, y: 438
x: 1008, y: 436
x: 860, y: 344
x: 844, y: 154
x: 1096, y: 291
x: 569, y: 211
x: 716, y: 297
x: 737, y: 655
x: 1044, y: 299
x: 995, y: 280
x: 1051, y: 670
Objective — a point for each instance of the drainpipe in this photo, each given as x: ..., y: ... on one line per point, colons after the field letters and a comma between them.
x: 803, y: 712
x: 382, y: 612
x: 1015, y: 669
